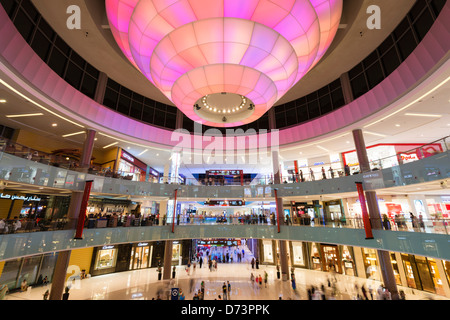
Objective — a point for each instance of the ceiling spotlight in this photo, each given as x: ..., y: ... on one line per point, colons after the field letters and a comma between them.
x: 54, y: 124
x: 197, y: 107
x: 2, y: 101
x: 224, y: 119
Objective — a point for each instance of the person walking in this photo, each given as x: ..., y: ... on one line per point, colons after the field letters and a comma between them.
x: 224, y: 291
x: 228, y: 289
x: 253, y: 263
x: 266, y: 277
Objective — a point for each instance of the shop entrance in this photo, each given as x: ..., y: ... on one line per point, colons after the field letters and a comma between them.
x: 141, y: 256
x: 331, y: 260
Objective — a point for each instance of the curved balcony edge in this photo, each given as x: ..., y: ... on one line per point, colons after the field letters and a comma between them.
x: 27, y: 244
x: 16, y: 169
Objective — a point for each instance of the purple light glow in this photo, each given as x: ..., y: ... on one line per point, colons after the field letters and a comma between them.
x: 190, y: 48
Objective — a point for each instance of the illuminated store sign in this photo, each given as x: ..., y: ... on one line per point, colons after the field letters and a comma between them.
x: 14, y: 197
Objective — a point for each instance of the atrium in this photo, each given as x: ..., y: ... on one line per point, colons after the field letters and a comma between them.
x: 163, y: 149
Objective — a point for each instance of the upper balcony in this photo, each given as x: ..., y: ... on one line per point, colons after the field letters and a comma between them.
x: 427, y: 168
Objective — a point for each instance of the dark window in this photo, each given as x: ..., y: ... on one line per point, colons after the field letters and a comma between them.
x: 159, y: 118
x: 291, y: 117
x: 401, y: 28
x: 406, y: 44
x: 30, y: 10
x: 24, y: 25
x: 337, y: 97
x: 325, y: 104
x: 79, y: 61
x: 385, y: 45
x: 423, y: 24
x: 9, y: 6
x: 73, y: 75
x: 417, y: 9
x: 136, y: 110
x: 147, y: 114
x: 110, y: 99
x: 57, y: 62
x: 280, y: 119
x: 437, y: 6
x: 124, y: 105
x: 62, y: 45
x: 359, y: 86
x: 113, y: 85
x: 374, y: 75
x: 41, y: 45
x: 171, y: 120
x: 390, y: 61
x: 88, y: 86
x: 46, y: 29
x: 313, y: 109
x: 355, y: 71
x: 92, y: 71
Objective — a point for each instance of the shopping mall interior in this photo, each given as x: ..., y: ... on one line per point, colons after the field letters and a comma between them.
x: 224, y: 150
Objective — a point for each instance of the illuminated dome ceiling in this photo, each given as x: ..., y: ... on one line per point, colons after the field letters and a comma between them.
x: 212, y: 57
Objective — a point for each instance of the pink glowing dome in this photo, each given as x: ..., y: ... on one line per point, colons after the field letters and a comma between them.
x: 224, y: 63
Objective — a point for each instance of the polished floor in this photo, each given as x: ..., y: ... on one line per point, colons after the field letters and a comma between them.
x: 144, y: 285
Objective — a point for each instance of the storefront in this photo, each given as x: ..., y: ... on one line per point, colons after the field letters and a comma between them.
x: 131, y: 168
x: 298, y: 250
x: 32, y: 269
x: 371, y: 265
x: 268, y: 252
x: 331, y: 260
x: 315, y: 256
x: 141, y: 255
x: 389, y: 155
x: 348, y: 262
x: 422, y: 274
x: 32, y: 206
x: 293, y: 171
x: 334, y: 211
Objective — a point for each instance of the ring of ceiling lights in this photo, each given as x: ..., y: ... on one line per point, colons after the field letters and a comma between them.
x: 172, y: 42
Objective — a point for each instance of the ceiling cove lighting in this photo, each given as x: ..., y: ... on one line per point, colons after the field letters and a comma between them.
x: 73, y: 134
x: 110, y: 145
x: 24, y: 115
x: 258, y: 49
x: 423, y: 115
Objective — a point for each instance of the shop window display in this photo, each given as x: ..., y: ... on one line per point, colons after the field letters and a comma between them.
x: 395, y: 269
x: 371, y: 264
x: 347, y: 261
x: 106, y: 258
x: 316, y: 261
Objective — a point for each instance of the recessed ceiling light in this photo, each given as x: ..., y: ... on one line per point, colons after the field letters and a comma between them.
x: 423, y: 115
x: 24, y: 115
x: 54, y: 124
x: 110, y: 145
x: 397, y: 125
x: 72, y: 134
x: 2, y: 101
x: 140, y: 154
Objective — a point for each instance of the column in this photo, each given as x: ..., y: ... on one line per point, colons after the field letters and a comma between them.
x: 60, y: 273
x: 86, y: 153
x: 284, y: 264
x: 168, y: 246
x: 375, y: 218
x: 346, y: 88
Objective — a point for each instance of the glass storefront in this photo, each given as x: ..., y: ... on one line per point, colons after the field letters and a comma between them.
x: 347, y: 261
x: 106, y: 258
x: 32, y: 269
x: 395, y: 268
x: 267, y: 251
x: 141, y: 256
x: 371, y: 264
x: 316, y: 261
x: 297, y: 254
x: 331, y: 259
